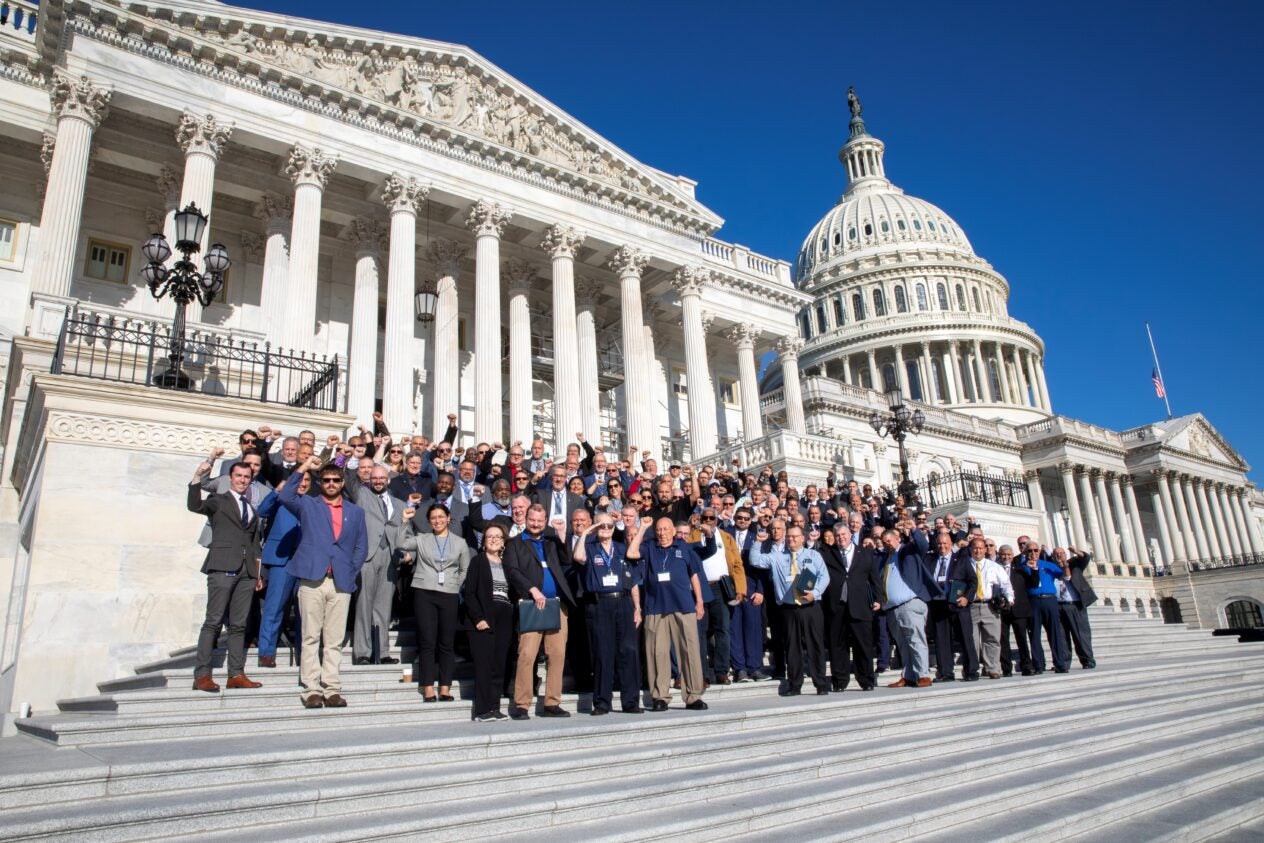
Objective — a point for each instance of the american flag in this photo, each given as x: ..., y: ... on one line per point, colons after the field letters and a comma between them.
x: 1158, y: 383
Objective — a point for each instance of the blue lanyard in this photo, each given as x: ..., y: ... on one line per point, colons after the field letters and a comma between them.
x: 443, y: 551
x: 666, y: 557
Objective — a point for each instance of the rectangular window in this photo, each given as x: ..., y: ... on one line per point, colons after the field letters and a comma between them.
x: 730, y: 392
x: 679, y: 386
x: 108, y: 261
x: 8, y: 240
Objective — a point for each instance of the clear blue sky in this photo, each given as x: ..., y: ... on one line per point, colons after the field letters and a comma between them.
x: 1105, y: 157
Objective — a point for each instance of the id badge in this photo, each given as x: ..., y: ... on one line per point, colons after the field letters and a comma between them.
x: 439, y: 579
x: 609, y: 581
x: 664, y: 576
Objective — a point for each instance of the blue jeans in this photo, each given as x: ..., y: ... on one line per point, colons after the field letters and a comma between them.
x: 281, y: 590
x: 746, y: 637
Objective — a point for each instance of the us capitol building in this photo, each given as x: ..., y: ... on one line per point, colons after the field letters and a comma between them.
x: 412, y: 230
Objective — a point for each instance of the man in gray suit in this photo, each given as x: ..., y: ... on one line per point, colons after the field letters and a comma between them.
x: 256, y: 490
x: 382, y: 514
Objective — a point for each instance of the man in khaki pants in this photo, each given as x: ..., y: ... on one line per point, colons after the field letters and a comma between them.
x: 332, y: 549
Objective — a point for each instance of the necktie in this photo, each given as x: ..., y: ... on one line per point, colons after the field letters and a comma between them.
x: 846, y: 570
x: 941, y: 572
x: 245, y: 512
x: 465, y: 491
x: 794, y: 574
x: 515, y: 530
x: 386, y: 510
x: 557, y: 503
x: 886, y: 576
x: 978, y: 569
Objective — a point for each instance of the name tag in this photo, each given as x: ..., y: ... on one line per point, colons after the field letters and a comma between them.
x: 440, y: 578
x: 609, y: 581
x: 664, y: 576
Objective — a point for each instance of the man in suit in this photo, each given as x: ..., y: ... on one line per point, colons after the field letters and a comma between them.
x: 1075, y: 595
x: 233, y: 571
x: 557, y: 502
x: 800, y: 609
x: 281, y: 464
x: 955, y: 588
x: 722, y: 558
x: 849, y: 603
x: 278, y: 547
x: 382, y: 514
x: 256, y: 490
x: 515, y: 523
x: 415, y: 483
x: 1015, y: 616
x: 445, y: 493
x: 746, y: 619
x: 906, y: 587
x: 327, y: 561
x: 535, y: 571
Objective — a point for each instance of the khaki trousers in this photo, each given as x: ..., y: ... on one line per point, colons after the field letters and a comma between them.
x: 324, y: 612
x: 986, y: 623
x: 662, y: 632
x: 555, y: 656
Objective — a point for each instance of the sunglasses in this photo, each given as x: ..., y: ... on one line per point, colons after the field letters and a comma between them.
x: 249, y: 441
x: 337, y: 481
x: 605, y: 526
x: 709, y: 518
x: 395, y: 451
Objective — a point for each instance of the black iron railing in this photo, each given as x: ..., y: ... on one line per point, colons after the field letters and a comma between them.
x: 110, y: 348
x: 974, y: 486
x: 1241, y: 561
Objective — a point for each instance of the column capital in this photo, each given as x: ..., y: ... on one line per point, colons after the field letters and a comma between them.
x: 519, y: 274
x: 1124, y: 478
x: 562, y: 241
x: 47, y: 145
x: 80, y: 98
x: 169, y: 185
x: 788, y: 348
x: 1159, y: 473
x: 403, y: 193
x: 707, y: 319
x: 444, y: 254
x: 628, y: 260
x: 251, y: 245
x: 743, y: 335
x: 689, y: 280
x: 652, y: 311
x: 1031, y: 474
x: 1096, y: 473
x: 954, y: 345
x: 369, y: 236
x: 202, y: 135
x: 1066, y: 467
x: 310, y: 166
x: 488, y: 219
x: 586, y: 291
x: 273, y: 210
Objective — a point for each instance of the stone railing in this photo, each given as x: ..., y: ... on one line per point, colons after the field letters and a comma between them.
x: 18, y: 19
x: 742, y: 259
x: 930, y: 319
x: 807, y: 448
x: 828, y: 389
x: 1063, y: 426
x: 1216, y: 563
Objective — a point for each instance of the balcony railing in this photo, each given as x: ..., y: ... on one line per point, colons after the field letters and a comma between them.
x: 1242, y: 561
x: 974, y: 486
x: 92, y: 345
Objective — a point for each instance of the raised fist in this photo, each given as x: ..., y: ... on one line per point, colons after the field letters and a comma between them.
x: 451, y: 418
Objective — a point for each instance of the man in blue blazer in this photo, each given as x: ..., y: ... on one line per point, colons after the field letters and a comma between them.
x: 331, y: 549
x: 279, y: 545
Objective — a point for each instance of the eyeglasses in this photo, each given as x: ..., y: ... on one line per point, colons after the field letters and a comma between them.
x: 709, y: 518
x: 248, y: 441
x: 337, y: 481
x: 605, y: 526
x: 395, y: 451
x: 1033, y: 550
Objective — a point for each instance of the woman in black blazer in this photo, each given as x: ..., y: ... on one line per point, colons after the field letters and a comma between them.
x: 491, y: 620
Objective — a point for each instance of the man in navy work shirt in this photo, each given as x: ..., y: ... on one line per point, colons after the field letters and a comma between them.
x: 611, y: 587
x: 804, y: 624
x: 672, y: 606
x: 1042, y: 576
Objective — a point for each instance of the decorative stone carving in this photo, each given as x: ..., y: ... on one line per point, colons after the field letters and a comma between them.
x: 518, y: 274
x: 586, y: 291
x: 202, y: 135
x: 155, y: 219
x: 169, y: 185
x: 310, y: 166
x: 445, y: 255
x: 251, y: 246
x: 689, y: 280
x: 273, y: 210
x: 403, y: 193
x: 627, y: 260
x: 104, y: 431
x: 708, y: 319
x: 488, y: 218
x: 369, y: 235
x: 789, y: 347
x: 562, y: 241
x: 47, y: 145
x: 79, y: 98
x: 743, y: 335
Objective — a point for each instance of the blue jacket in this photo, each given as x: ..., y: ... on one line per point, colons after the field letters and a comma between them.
x: 283, y: 533
x: 920, y: 581
x: 317, y: 551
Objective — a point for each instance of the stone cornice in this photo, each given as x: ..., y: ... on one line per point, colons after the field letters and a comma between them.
x: 768, y: 291
x: 830, y: 345
x: 840, y: 281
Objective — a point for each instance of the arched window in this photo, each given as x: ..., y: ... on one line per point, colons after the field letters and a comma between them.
x: 901, y: 300
x: 858, y: 306
x: 824, y: 247
x: 994, y: 380
x: 886, y: 227
x: 821, y: 325
x: 879, y: 303
x: 868, y: 229
x: 917, y: 224
x: 840, y: 312
x: 838, y: 238
x: 888, y: 376
x: 978, y: 306
x: 941, y: 292
x: 1243, y: 614
x: 899, y: 223
x: 914, y: 375
x: 931, y: 223
x: 921, y: 296
x: 961, y: 297
x: 937, y: 374
x: 851, y: 233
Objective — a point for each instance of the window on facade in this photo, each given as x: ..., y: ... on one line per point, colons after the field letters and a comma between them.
x: 888, y: 376
x: 941, y: 293
x: 961, y: 297
x: 937, y: 375
x: 824, y: 246
x: 107, y: 261
x: 917, y: 224
x: 994, y: 380
x: 978, y: 306
x: 838, y: 238
x: 886, y: 227
x: 868, y: 229
x: 806, y: 325
x: 840, y: 312
x: 729, y: 392
x: 1243, y: 614
x: 921, y: 297
x: 821, y: 325
x: 461, y: 335
x: 679, y: 386
x: 900, y: 225
x: 858, y: 306
x: 914, y: 375
x: 8, y: 240
x: 901, y: 300
x: 879, y: 303
x: 931, y: 224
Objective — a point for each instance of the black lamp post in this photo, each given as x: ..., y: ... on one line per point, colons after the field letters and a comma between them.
x: 427, y: 299
x: 899, y: 424
x: 183, y: 282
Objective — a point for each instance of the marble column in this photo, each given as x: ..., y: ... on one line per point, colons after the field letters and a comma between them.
x: 949, y: 364
x: 402, y: 195
x: 1224, y: 524
x: 743, y: 336
x: 688, y: 283
x: 1037, y: 498
x: 1020, y: 377
x: 202, y: 139
x: 79, y: 105
x: 1169, y: 523
x: 901, y: 373
x: 1253, y: 530
x: 978, y: 370
x: 1234, y: 497
x: 1196, y: 521
x: 1127, y: 546
x: 659, y: 421
x: 1183, y: 519
x: 1039, y: 369
x: 586, y: 291
x: 561, y: 243
x: 1100, y: 547
x: 488, y: 220
x: 875, y: 381
x: 929, y: 386
x: 1109, y: 531
x: 519, y: 274
x: 446, y: 373
x: 309, y: 169
x: 1140, y: 546
x: 788, y: 349
x: 1067, y: 472
x: 1165, y: 539
x: 1207, y: 517
x: 1232, y: 522
x: 629, y: 263
x: 367, y: 234
x: 274, y: 212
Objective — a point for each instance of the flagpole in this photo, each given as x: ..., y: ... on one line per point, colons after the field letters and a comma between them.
x: 1159, y: 369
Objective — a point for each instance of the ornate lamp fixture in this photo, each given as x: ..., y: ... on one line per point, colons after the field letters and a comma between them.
x: 898, y: 424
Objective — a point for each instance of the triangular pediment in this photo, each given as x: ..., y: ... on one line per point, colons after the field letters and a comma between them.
x: 1195, y: 435
x: 444, y: 91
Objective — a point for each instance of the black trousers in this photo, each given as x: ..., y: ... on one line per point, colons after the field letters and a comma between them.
x: 850, y: 646
x: 1075, y: 629
x: 1022, y: 633
x: 490, y: 648
x: 776, y: 632
x: 949, y: 621
x: 436, y: 613
x: 613, y: 642
x: 579, y: 662
x: 805, y: 629
x: 232, y: 593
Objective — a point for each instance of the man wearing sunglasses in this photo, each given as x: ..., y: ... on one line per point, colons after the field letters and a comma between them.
x: 1042, y: 576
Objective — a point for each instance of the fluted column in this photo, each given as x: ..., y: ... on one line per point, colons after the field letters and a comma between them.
x: 949, y: 364
x: 1183, y: 519
x: 1039, y: 370
x: 309, y: 169
x: 561, y: 242
x: 1019, y: 376
x: 927, y: 375
x: 1165, y: 539
x: 1224, y: 523
x: 1128, y: 547
x: 1169, y: 525
x: 1232, y: 522
x: 983, y: 390
x: 1253, y: 530
x: 657, y: 423
x: 788, y: 349
x: 202, y: 139
x: 1206, y: 517
x: 1067, y: 472
x: 1140, y: 546
x: 901, y: 373
x: 875, y: 380
x: 586, y: 292
x: 629, y: 262
x: 487, y: 220
x: 743, y: 336
x: 80, y: 105
x: 402, y: 196
x: 367, y: 234
x: 445, y: 255
x: 274, y: 212
x: 1196, y: 521
x: 1002, y: 370
x: 1102, y: 499
x: 521, y: 412
x: 1037, y: 497
x: 1100, y: 547
x: 1233, y: 496
x: 688, y: 282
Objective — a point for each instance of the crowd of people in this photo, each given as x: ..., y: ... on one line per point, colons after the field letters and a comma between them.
x: 603, y: 566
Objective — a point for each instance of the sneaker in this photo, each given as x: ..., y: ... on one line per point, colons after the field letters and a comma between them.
x: 519, y: 714
x: 760, y: 676
x: 742, y: 676
x: 489, y: 717
x: 554, y: 711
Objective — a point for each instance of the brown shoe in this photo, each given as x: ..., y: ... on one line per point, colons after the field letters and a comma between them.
x: 205, y: 683
x: 899, y: 683
x: 925, y: 682
x: 241, y: 680
x: 267, y: 661
x: 313, y: 701
x: 994, y: 676
x: 335, y: 701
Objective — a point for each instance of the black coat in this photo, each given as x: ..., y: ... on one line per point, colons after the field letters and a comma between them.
x: 958, y: 569
x: 863, y: 586
x: 1078, y: 564
x: 1018, y: 579
x: 477, y: 591
x: 233, y: 548
x: 522, y: 568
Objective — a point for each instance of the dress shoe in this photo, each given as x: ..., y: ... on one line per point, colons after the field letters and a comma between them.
x: 267, y: 661
x: 1027, y: 673
x: 789, y: 692
x: 241, y: 680
x: 362, y: 660
x: 899, y: 683
x: 697, y: 705
x: 924, y: 682
x: 430, y: 699
x: 313, y: 701
x: 970, y: 679
x: 822, y: 692
x: 519, y: 714
x: 994, y: 676
x: 335, y: 701
x: 205, y: 683
x: 945, y: 679
x: 1055, y: 670
x: 1007, y: 674
x: 866, y: 687
x: 676, y: 684
x: 635, y: 709
x: 723, y: 680
x: 446, y: 698
x: 598, y: 710
x: 554, y: 711
x: 392, y: 660
x: 1090, y: 665
x: 839, y: 687
x: 659, y: 705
